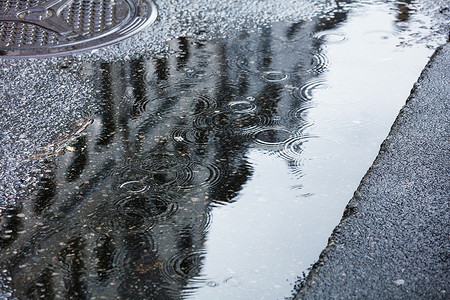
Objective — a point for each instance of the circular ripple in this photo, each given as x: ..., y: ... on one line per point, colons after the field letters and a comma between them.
x: 135, y: 253
x: 146, y: 207
x: 274, y: 76
x: 238, y: 63
x: 202, y: 122
x: 193, y: 176
x: 381, y: 37
x: 137, y: 212
x: 330, y: 38
x: 196, y: 73
x: 241, y: 122
x: 165, y: 178
x: 115, y: 258
x: 182, y: 86
x: 185, y: 175
x: 44, y: 233
x: 199, y: 174
x: 191, y: 136
x: 292, y: 150
x: 305, y: 92
x: 239, y: 58
x: 200, y: 136
x: 272, y: 137
x: 174, y: 92
x: 250, y: 282
x: 244, y: 44
x: 146, y: 105
x: 55, y: 28
x: 212, y: 284
x: 203, y: 222
x: 319, y: 63
x: 321, y: 148
x: 134, y: 186
x: 196, y: 220
x: 164, y: 162
x: 108, y: 221
x: 130, y: 179
x: 242, y: 107
x: 300, y: 115
x: 177, y: 179
x: 203, y: 104
x: 183, y: 267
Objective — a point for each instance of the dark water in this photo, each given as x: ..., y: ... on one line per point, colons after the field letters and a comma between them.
x: 217, y: 172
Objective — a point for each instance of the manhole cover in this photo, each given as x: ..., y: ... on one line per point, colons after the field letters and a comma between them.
x: 32, y: 28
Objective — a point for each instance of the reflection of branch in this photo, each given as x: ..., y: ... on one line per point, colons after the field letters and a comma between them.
x: 143, y: 198
x: 61, y: 143
x: 72, y: 256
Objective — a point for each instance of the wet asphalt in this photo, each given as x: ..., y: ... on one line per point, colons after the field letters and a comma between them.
x: 393, y: 240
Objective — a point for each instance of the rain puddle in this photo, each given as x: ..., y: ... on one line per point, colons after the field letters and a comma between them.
x: 218, y: 172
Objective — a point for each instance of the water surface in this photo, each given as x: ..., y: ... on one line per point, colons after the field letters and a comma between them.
x: 217, y: 172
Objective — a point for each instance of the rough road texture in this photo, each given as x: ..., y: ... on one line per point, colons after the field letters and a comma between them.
x: 393, y: 241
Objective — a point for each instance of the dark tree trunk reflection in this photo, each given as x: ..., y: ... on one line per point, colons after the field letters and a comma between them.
x: 126, y: 213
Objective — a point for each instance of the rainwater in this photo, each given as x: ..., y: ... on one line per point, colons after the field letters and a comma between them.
x: 219, y: 171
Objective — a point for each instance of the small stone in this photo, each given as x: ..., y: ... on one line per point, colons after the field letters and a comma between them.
x: 399, y: 282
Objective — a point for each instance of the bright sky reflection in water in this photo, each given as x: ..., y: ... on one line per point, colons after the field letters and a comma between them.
x: 290, y: 219
x: 219, y: 172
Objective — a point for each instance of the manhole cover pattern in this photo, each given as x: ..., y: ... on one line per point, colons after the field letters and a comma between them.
x: 30, y: 28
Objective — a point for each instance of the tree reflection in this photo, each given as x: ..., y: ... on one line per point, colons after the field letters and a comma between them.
x: 404, y: 10
x: 125, y: 215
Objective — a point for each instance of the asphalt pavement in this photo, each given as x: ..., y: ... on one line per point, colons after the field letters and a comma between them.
x: 393, y: 240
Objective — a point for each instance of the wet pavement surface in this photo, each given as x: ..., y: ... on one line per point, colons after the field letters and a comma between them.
x: 146, y: 176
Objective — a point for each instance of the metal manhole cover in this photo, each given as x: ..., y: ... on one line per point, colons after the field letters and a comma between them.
x: 33, y: 28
